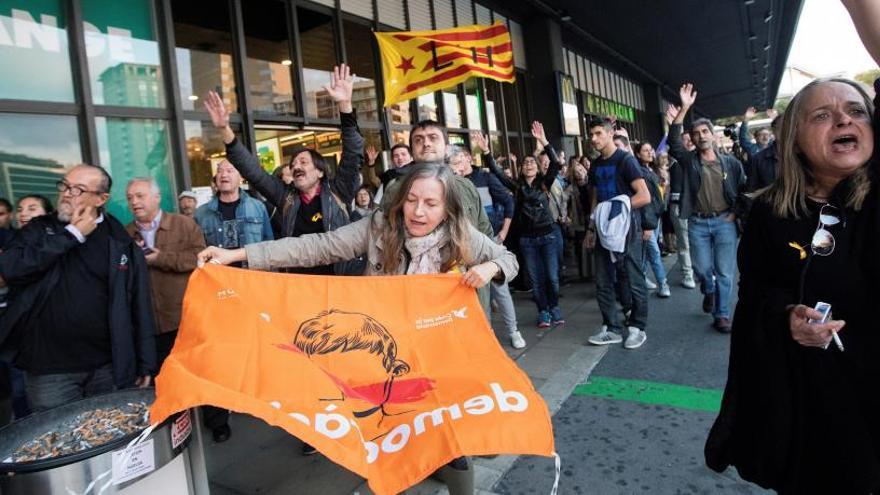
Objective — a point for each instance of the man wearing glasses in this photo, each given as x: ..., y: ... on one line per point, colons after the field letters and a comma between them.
x: 80, y: 321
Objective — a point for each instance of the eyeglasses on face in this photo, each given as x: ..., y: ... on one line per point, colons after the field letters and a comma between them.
x: 75, y: 191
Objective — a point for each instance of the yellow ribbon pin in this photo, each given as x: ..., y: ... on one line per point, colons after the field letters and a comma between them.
x: 801, y: 251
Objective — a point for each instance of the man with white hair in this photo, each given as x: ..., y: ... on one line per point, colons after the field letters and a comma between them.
x: 81, y: 323
x: 170, y: 243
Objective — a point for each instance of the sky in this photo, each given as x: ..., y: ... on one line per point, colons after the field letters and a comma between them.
x: 826, y: 41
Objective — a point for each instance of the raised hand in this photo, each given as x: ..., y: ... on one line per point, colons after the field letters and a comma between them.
x: 341, y: 87
x: 772, y: 113
x: 750, y: 114
x: 538, y: 133
x: 217, y: 110
x: 671, y: 113
x: 372, y: 154
x: 688, y: 95
x: 479, y: 140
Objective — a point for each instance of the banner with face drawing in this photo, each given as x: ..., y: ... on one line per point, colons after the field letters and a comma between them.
x: 390, y: 377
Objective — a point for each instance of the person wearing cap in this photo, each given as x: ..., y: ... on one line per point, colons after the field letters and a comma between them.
x: 187, y: 203
x: 314, y: 202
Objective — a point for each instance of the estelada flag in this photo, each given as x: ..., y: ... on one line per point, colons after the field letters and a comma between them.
x: 420, y: 62
x: 390, y: 377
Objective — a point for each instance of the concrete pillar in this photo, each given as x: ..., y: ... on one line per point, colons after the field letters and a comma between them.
x: 654, y: 111
x: 544, y: 55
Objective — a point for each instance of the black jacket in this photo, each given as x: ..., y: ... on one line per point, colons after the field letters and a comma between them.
x: 761, y: 168
x: 686, y: 184
x: 793, y: 418
x: 533, y: 216
x: 336, y: 193
x: 651, y: 213
x: 31, y: 265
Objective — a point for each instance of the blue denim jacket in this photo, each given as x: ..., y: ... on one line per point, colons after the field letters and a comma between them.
x: 251, y: 223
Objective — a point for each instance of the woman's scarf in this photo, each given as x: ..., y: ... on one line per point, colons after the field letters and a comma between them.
x: 425, y: 251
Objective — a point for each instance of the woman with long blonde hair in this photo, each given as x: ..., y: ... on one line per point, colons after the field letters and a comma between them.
x: 800, y: 408
x: 424, y: 231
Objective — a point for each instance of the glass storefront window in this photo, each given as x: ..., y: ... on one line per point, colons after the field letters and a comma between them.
x: 472, y: 97
x: 427, y: 106
x: 29, y: 162
x: 359, y: 53
x: 33, y: 41
x: 493, y: 102
x: 203, y: 53
x: 511, y: 108
x: 135, y: 148
x: 399, y: 136
x: 399, y: 113
x: 276, y: 147
x: 319, y: 57
x: 123, y: 54
x: 452, y: 107
x: 204, y: 150
x: 269, y: 61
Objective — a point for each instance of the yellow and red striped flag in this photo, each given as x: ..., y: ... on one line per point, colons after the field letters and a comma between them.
x: 420, y: 62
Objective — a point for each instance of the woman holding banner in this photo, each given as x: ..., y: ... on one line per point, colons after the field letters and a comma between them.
x: 424, y: 231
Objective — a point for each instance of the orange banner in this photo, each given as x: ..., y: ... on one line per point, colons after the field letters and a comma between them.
x: 420, y: 62
x: 390, y: 377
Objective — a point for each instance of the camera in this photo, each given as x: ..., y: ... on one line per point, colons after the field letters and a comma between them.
x: 730, y: 131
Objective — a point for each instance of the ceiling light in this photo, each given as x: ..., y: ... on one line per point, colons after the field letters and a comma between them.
x: 767, y: 47
x: 753, y: 36
x: 749, y: 2
x: 768, y: 16
x: 287, y: 62
x: 192, y: 97
x: 564, y: 16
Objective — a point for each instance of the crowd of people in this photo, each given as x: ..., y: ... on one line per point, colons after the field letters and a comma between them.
x: 805, y: 204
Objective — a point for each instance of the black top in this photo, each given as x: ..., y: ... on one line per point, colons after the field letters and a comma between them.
x: 532, y: 218
x: 392, y: 173
x: 227, y: 210
x: 231, y: 239
x: 310, y: 220
x: 614, y: 175
x: 71, y: 332
x: 801, y: 419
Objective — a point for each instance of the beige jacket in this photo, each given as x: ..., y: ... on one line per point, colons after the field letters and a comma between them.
x: 355, y: 239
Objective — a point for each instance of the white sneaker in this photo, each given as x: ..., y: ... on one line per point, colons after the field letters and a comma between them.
x: 635, y: 339
x: 604, y: 337
x: 650, y: 285
x: 517, y: 340
x: 664, y: 291
x: 688, y: 282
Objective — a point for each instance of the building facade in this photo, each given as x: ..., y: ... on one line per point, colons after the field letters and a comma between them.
x: 122, y: 85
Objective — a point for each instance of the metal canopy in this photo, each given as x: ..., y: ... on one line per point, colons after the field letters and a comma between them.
x: 734, y: 51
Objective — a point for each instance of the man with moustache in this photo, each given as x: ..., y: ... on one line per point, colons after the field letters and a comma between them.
x: 316, y: 202
x: 74, y: 343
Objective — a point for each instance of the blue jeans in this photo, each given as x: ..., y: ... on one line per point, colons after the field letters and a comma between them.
x: 713, y: 252
x: 653, y: 258
x: 540, y: 254
x: 48, y: 391
x: 560, y: 247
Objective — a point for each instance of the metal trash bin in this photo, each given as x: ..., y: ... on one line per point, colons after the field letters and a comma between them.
x: 153, y: 466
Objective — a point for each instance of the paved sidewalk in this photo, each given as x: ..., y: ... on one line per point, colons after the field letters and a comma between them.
x: 259, y: 458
